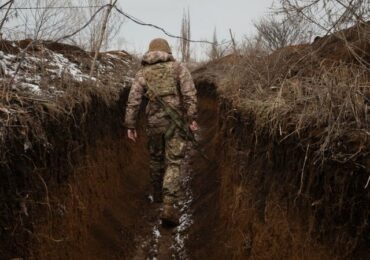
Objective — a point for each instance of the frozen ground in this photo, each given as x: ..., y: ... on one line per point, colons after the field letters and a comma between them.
x: 43, y: 71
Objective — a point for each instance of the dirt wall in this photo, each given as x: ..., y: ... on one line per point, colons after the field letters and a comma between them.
x: 263, y: 198
x: 77, y: 193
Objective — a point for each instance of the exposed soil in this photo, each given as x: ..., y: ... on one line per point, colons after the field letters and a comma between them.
x: 253, y: 202
x: 83, y: 199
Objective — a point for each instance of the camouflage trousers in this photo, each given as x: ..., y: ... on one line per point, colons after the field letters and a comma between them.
x: 167, y: 154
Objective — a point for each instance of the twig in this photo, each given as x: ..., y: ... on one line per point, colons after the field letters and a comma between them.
x: 233, y: 41
x: 367, y: 183
x: 303, y: 168
x: 46, y: 190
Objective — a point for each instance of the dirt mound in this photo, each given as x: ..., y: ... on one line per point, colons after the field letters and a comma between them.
x: 47, y: 68
x: 350, y: 45
x: 347, y: 48
x: 8, y: 47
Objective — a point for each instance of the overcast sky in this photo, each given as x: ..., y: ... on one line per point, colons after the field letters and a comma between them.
x: 205, y: 16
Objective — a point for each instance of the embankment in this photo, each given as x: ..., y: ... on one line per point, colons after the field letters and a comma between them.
x: 290, y: 168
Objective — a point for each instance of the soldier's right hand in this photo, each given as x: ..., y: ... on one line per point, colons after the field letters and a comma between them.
x: 132, y: 134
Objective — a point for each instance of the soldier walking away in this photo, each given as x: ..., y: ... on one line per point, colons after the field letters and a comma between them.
x: 172, y: 95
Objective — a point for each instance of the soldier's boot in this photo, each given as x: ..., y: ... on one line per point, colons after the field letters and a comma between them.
x: 156, y: 165
x: 170, y: 216
x: 157, y: 186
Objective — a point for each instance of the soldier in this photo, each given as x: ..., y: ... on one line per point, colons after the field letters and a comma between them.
x: 161, y: 77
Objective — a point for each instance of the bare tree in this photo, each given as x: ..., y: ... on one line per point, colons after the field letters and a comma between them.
x: 89, y: 37
x: 235, y: 48
x: 219, y: 49
x: 38, y: 19
x: 102, y: 33
x: 51, y: 20
x: 185, y: 34
x: 253, y: 45
x: 278, y: 33
x: 216, y: 50
x: 328, y: 15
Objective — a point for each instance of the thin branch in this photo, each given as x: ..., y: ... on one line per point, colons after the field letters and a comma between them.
x: 51, y: 7
x: 303, y: 169
x: 101, y: 37
x: 85, y: 25
x: 6, y: 14
x: 1, y: 7
x: 136, y: 20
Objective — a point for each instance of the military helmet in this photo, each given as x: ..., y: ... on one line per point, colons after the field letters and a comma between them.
x: 160, y: 44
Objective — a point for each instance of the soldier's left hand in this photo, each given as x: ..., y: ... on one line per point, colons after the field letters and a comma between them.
x: 194, y: 126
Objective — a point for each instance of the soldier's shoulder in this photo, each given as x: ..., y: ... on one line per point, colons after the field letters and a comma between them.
x: 178, y: 63
x: 179, y: 66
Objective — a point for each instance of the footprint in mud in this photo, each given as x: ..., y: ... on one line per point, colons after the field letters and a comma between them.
x: 166, y: 243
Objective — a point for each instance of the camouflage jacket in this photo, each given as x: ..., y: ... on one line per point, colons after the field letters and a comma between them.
x: 184, y: 102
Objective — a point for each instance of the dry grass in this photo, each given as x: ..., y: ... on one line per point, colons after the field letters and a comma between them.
x: 296, y: 90
x: 23, y: 111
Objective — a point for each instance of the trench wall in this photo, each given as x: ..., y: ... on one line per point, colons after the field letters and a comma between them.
x: 261, y: 198
x: 77, y: 191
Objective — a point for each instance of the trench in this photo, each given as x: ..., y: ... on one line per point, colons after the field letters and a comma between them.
x: 90, y: 197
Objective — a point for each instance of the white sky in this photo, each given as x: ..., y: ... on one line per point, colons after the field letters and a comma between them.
x: 205, y: 16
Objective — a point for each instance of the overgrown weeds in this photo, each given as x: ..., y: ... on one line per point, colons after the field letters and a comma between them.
x: 297, y: 90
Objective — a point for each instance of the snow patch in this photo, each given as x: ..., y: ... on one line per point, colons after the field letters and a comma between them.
x: 30, y: 70
x: 156, y: 232
x: 186, y: 219
x: 32, y: 87
x: 155, y: 242
x: 64, y: 65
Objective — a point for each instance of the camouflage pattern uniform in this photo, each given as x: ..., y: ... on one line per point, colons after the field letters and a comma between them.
x: 167, y: 146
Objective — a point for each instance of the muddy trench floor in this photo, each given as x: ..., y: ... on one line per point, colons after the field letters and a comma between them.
x: 158, y: 242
